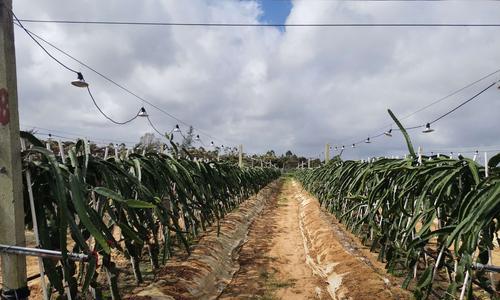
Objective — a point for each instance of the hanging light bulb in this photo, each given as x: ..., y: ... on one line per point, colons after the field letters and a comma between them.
x: 80, y: 82
x: 336, y: 148
x: 388, y: 133
x: 367, y: 140
x: 354, y: 145
x: 343, y: 147
x: 197, y: 138
x: 177, y: 129
x: 212, y: 144
x: 142, y: 112
x: 428, y: 128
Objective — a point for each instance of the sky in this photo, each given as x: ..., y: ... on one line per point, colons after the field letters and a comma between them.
x: 267, y: 88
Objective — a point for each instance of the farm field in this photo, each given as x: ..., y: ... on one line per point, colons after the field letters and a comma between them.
x: 168, y: 226
x: 249, y: 150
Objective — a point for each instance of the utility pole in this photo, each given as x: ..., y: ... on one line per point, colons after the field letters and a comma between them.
x: 327, y: 153
x: 240, y: 156
x: 14, y: 283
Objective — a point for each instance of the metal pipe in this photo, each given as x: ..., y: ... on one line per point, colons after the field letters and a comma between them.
x: 53, y: 254
x: 481, y: 267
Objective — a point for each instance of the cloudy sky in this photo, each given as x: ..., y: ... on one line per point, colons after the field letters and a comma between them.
x: 267, y: 87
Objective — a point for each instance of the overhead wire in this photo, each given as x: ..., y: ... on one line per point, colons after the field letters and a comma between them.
x: 108, y: 117
x: 121, y: 86
x: 464, y: 102
x: 38, y: 43
x: 204, y: 24
x: 71, y: 135
x: 370, y: 138
x: 31, y: 34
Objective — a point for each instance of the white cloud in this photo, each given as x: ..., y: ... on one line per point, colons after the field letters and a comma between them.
x: 267, y: 89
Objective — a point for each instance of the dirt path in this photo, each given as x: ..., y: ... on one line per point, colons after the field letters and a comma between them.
x: 272, y: 261
x: 295, y: 251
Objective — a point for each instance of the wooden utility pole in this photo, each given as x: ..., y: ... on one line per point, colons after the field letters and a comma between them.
x: 11, y: 184
x: 327, y: 153
x: 240, y: 156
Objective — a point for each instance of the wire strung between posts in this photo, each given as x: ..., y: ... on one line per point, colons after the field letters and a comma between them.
x: 463, y: 103
x: 201, y: 24
x: 438, y: 118
x: 122, y: 87
x: 434, y: 103
x: 106, y: 116
x: 450, y: 95
x: 38, y: 43
x: 154, y: 128
x: 74, y: 135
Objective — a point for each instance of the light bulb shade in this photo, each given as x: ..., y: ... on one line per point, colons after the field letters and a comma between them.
x: 367, y: 140
x: 197, y: 138
x: 388, y: 133
x: 428, y: 128
x: 177, y: 129
x: 343, y: 147
x: 142, y: 112
x: 80, y: 82
x: 354, y: 145
x: 336, y: 148
x: 212, y: 144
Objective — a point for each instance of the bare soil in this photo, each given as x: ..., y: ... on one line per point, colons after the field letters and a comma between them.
x: 294, y: 251
x: 272, y: 261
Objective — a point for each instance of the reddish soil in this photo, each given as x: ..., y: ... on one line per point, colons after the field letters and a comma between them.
x: 294, y: 251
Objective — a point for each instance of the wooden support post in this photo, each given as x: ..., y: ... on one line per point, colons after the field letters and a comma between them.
x: 11, y: 183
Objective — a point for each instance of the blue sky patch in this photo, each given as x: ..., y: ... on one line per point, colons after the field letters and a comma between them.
x: 275, y: 11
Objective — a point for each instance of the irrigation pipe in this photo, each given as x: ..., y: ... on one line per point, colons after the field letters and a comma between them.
x: 474, y: 266
x: 43, y: 253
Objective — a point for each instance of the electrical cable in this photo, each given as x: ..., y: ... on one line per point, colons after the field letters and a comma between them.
x: 38, y: 43
x: 463, y: 103
x: 122, y: 87
x: 72, y: 134
x: 106, y: 116
x: 154, y: 128
x: 433, y: 103
x: 201, y: 24
x: 443, y: 115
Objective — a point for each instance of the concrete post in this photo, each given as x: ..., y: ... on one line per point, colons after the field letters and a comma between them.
x: 11, y: 183
x: 240, y: 156
x: 327, y: 153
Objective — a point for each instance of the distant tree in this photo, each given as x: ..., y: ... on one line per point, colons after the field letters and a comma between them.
x: 271, y: 153
x: 148, y: 141
x: 188, y: 138
x: 288, y: 153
